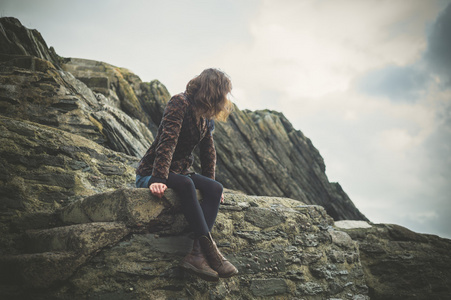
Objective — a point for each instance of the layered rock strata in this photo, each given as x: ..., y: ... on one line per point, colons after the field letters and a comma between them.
x: 258, y: 153
x: 282, y: 248
x: 402, y: 264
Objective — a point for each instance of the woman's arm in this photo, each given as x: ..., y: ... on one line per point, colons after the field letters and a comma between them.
x: 208, y: 153
x: 170, y: 126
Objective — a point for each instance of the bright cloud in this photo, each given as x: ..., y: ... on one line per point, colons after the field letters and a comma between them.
x: 312, y: 48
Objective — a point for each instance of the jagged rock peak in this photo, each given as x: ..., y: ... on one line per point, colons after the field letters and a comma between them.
x: 15, y: 39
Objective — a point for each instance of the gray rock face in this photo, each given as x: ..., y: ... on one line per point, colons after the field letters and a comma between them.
x: 55, y: 254
x: 261, y: 153
x: 46, y: 169
x: 15, y: 39
x: 401, y: 264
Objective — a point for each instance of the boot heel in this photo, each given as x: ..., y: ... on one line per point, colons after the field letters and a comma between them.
x: 196, y: 263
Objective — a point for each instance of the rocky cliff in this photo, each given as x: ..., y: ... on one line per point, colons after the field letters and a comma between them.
x: 259, y: 153
x: 73, y: 227
x: 127, y: 244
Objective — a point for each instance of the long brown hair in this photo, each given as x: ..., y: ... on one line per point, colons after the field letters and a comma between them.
x: 209, y: 92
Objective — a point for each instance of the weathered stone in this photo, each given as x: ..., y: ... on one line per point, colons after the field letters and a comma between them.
x: 268, y: 287
x: 351, y: 224
x: 256, y: 236
x: 150, y: 261
x: 171, y: 244
x: 81, y: 238
x: 342, y: 239
x: 337, y: 256
x: 16, y: 39
x: 263, y: 217
x: 56, y: 253
x: 132, y: 206
x: 297, y: 275
x: 259, y: 262
x: 401, y: 264
x: 39, y: 269
x: 61, y: 169
x: 329, y: 271
x: 111, y: 169
x: 311, y: 239
x: 307, y: 258
x: 310, y: 288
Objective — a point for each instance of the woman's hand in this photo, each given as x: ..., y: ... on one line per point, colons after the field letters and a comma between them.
x: 222, y: 198
x: 158, y: 189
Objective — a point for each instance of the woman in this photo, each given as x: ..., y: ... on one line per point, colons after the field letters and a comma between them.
x: 188, y: 122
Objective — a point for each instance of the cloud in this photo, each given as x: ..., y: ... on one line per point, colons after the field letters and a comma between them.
x: 426, y: 174
x: 353, y: 77
x: 410, y: 82
x: 439, y: 46
x: 308, y: 49
x: 399, y: 83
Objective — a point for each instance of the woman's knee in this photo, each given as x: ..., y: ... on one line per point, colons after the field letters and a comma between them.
x: 208, y: 187
x: 215, y: 189
x: 219, y: 188
x: 181, y: 183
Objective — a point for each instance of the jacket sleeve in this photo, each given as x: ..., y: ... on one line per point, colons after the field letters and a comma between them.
x: 208, y: 153
x: 170, y: 127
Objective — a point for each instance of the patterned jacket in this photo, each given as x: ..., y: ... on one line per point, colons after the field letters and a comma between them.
x: 179, y: 133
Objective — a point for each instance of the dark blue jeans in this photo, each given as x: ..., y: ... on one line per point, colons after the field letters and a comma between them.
x: 200, y: 216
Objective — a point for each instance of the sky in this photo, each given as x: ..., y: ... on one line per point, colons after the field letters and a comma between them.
x: 369, y: 82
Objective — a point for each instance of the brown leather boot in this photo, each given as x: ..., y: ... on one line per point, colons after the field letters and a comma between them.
x: 215, y: 258
x: 196, y: 263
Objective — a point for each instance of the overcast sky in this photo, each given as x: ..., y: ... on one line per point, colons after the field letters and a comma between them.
x: 368, y: 81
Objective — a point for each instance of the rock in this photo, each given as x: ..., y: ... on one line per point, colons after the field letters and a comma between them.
x: 401, y: 264
x: 47, y: 169
x: 268, y: 287
x: 351, y: 224
x: 341, y: 238
x: 56, y: 253
x: 38, y: 269
x: 256, y: 262
x: 134, y: 253
x: 81, y: 238
x: 263, y: 217
x: 267, y: 156
x: 131, y: 206
x: 17, y: 40
x: 310, y: 288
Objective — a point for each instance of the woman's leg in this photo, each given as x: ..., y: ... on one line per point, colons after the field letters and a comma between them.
x: 202, y: 218
x: 186, y: 190
x: 211, y: 191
